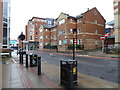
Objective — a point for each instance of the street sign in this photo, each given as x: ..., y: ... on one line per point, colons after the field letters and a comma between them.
x: 107, y: 34
x: 102, y: 37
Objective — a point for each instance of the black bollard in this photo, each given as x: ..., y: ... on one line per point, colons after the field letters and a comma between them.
x: 19, y: 57
x: 39, y: 65
x: 22, y: 58
x: 26, y: 60
x: 31, y: 57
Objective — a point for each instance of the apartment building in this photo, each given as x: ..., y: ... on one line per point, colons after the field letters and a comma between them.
x: 5, y: 26
x: 32, y: 32
x: 88, y: 26
x: 117, y: 22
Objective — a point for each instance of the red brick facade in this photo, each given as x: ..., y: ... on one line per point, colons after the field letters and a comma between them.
x: 89, y: 25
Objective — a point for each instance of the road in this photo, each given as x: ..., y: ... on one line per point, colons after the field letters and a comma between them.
x: 103, y: 68
x: 106, y: 69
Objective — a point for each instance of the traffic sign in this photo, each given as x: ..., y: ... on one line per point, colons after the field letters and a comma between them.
x: 102, y: 37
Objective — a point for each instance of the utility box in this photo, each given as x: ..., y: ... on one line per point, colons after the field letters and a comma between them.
x: 33, y: 60
x: 68, y: 73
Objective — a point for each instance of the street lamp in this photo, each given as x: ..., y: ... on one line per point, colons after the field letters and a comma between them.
x: 21, y: 37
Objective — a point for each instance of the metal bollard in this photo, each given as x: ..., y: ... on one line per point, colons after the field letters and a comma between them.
x: 31, y: 57
x: 26, y: 60
x: 20, y: 58
x: 39, y: 65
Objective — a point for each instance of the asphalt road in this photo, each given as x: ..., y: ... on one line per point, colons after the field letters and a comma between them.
x: 106, y: 69
x: 103, y: 68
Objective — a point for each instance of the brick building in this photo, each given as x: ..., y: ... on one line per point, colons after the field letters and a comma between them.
x: 32, y: 32
x: 5, y: 26
x: 89, y: 27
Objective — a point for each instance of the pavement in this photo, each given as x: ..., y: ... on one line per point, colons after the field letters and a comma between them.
x: 15, y: 75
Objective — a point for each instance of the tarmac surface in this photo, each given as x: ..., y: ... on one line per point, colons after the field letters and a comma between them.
x: 15, y: 75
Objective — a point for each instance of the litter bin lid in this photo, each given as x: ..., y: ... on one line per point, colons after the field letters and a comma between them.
x: 31, y: 53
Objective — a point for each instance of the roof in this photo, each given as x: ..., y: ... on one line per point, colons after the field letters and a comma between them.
x: 81, y: 15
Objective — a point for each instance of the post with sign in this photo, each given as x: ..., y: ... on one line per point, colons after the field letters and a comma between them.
x: 21, y: 37
x: 102, y: 38
x: 74, y: 42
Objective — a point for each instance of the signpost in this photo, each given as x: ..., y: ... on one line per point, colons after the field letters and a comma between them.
x: 103, y: 38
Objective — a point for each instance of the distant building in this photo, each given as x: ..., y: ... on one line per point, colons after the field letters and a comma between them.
x: 5, y: 26
x: 32, y: 32
x: 58, y: 33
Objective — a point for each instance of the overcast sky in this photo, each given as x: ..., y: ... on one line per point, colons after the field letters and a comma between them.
x: 23, y: 10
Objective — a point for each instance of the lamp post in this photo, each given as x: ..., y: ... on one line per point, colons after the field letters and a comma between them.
x: 21, y: 37
x: 74, y: 42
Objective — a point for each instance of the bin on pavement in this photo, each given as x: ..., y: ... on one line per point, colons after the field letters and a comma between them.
x: 33, y: 59
x: 68, y: 73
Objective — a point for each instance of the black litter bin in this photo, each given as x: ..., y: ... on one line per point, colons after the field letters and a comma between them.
x: 33, y: 59
x: 68, y: 75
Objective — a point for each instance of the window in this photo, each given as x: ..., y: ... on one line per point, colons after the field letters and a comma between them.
x: 79, y: 42
x: 71, y: 41
x: 37, y: 24
x: 41, y: 37
x: 95, y: 12
x: 79, y: 31
x: 78, y: 20
x: 31, y: 33
x: 95, y: 21
x: 96, y: 32
x: 61, y: 32
x: 71, y: 20
x: 41, y: 44
x: 71, y: 30
x: 37, y: 29
x: 61, y: 21
x: 36, y: 33
x: 60, y: 42
x: 30, y: 37
x: 41, y: 30
x: 96, y: 42
x: 36, y: 37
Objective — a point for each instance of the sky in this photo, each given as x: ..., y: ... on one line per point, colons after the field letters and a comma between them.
x: 23, y: 10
